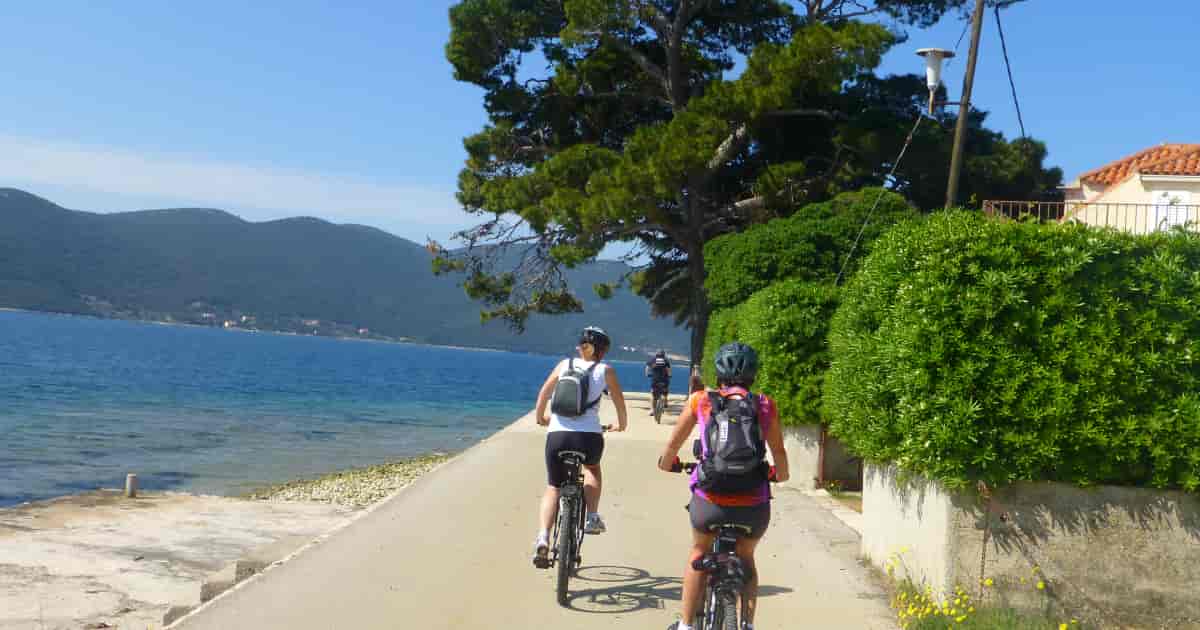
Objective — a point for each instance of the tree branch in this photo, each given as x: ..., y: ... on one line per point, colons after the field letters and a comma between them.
x: 817, y: 113
x: 618, y: 95
x: 681, y: 274
x: 657, y: 20
x: 649, y: 67
x: 751, y: 204
x: 695, y: 10
x: 676, y: 77
x: 728, y: 148
x: 736, y: 141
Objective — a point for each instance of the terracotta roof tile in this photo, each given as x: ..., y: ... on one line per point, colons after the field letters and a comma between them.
x: 1164, y: 159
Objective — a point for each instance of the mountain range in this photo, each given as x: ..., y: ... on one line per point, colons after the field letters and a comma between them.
x: 300, y: 274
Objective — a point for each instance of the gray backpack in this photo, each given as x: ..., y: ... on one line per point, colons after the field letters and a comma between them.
x: 731, y: 448
x: 571, y: 396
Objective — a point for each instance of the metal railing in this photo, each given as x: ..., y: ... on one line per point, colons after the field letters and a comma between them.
x: 1139, y: 218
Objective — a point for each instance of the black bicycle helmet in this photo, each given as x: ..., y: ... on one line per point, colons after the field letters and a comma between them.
x: 597, y: 337
x: 736, y: 363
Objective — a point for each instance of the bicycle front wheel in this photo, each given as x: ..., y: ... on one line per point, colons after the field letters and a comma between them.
x: 567, y: 517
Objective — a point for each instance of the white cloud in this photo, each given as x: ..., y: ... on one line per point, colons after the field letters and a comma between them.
x: 254, y: 192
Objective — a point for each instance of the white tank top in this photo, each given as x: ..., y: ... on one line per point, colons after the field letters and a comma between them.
x: 589, y: 422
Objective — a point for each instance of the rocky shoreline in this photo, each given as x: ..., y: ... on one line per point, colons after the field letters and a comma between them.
x: 101, y: 560
x: 356, y: 488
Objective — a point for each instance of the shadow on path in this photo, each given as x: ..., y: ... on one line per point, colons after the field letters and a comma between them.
x: 620, y: 589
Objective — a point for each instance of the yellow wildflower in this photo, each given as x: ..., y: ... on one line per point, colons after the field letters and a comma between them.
x: 1041, y: 585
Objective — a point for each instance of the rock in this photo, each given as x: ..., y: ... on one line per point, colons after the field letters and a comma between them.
x: 219, y: 582
x: 175, y: 612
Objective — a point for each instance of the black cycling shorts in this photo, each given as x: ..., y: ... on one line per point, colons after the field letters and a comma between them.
x: 705, y: 514
x: 590, y: 444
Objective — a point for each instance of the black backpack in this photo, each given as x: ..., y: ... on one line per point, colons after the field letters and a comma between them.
x: 571, y: 395
x: 733, y: 454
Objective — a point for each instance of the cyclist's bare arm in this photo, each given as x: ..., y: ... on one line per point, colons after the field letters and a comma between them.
x: 683, y: 428
x: 618, y: 398
x: 778, y: 452
x: 543, y: 399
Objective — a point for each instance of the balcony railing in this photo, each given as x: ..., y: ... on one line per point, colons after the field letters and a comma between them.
x: 1139, y: 218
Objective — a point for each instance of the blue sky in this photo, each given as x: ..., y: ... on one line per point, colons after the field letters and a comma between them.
x: 350, y: 113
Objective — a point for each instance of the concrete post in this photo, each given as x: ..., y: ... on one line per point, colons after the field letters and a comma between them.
x: 131, y: 485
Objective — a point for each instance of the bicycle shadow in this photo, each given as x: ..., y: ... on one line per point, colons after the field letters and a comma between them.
x: 621, y: 589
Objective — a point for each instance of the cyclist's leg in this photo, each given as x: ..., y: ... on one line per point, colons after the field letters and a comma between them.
x: 758, y: 518
x: 693, y: 580
x: 549, y: 509
x: 701, y: 514
x: 593, y: 445
x: 592, y: 483
x: 745, y: 551
x: 555, y: 475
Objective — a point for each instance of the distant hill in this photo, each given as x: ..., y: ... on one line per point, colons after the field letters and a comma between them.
x: 300, y: 274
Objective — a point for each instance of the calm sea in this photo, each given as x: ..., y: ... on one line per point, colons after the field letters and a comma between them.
x: 83, y: 401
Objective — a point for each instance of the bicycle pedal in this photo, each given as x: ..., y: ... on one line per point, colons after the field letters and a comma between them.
x: 541, y: 562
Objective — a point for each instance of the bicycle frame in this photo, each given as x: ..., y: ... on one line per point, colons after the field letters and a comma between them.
x: 724, y: 573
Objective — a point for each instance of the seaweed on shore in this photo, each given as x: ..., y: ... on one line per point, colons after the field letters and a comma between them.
x: 354, y: 488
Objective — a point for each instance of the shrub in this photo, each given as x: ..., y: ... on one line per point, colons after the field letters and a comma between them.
x: 787, y: 324
x: 809, y: 245
x: 967, y: 349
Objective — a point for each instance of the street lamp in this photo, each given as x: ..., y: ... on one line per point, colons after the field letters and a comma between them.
x: 933, y: 69
x: 933, y: 72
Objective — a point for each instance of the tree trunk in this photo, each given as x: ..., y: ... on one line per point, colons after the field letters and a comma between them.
x: 700, y: 311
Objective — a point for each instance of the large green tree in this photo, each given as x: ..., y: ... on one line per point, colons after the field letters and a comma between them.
x: 613, y: 121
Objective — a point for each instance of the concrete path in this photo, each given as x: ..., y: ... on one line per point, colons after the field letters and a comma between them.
x: 452, y: 551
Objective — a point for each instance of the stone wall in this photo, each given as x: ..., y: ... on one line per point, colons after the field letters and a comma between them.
x: 1114, y: 556
x: 804, y: 446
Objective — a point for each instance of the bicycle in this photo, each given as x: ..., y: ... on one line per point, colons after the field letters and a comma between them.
x: 725, y: 574
x: 659, y: 391
x: 567, y: 540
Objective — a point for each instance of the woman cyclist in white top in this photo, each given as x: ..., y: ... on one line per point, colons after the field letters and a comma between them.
x: 582, y: 433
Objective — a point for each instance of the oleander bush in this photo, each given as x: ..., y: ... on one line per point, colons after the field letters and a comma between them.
x: 968, y: 349
x: 787, y: 324
x: 812, y: 244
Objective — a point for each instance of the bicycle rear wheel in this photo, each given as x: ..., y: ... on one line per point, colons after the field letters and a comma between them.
x: 659, y: 405
x: 567, y: 518
x: 728, y: 616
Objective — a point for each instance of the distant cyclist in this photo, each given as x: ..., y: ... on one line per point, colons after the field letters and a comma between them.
x: 581, y: 432
x: 658, y: 370
x: 737, y: 365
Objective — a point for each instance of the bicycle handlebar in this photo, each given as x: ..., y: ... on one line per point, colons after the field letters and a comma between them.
x: 678, y: 466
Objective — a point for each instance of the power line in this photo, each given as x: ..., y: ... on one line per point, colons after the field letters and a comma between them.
x: 892, y: 176
x: 1008, y: 66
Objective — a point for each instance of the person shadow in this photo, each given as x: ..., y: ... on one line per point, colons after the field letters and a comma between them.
x: 614, y: 589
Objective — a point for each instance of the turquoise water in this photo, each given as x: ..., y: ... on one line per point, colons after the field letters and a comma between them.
x: 83, y: 401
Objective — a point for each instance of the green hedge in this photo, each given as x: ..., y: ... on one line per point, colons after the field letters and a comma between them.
x: 809, y: 245
x: 787, y: 324
x: 967, y: 349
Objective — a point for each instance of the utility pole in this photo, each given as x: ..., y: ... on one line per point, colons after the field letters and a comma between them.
x: 964, y: 107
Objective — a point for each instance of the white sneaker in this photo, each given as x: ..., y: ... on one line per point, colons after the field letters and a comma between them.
x: 593, y: 524
x: 541, y: 552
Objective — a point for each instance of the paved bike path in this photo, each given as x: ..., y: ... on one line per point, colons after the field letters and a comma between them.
x: 452, y: 551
